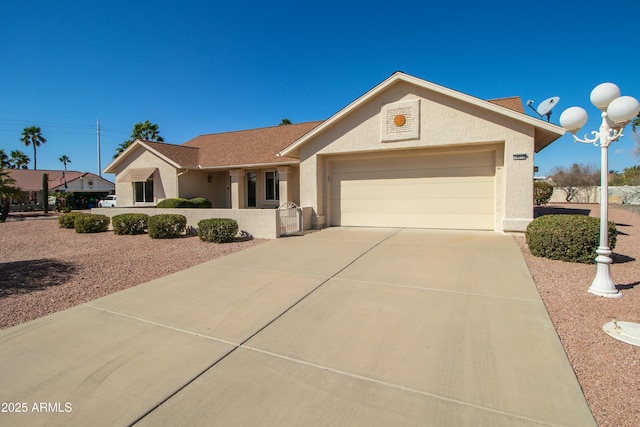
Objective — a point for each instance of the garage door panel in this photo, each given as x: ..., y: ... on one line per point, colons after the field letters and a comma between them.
x: 366, y: 206
x: 443, y: 221
x: 414, y: 189
x: 434, y: 162
x: 438, y: 191
x: 445, y: 172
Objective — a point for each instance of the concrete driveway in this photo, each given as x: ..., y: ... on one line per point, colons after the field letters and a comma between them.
x: 345, y: 327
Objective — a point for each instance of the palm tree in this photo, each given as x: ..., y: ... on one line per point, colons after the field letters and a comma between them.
x: 4, y: 159
x: 32, y: 135
x: 285, y: 121
x: 635, y: 123
x: 19, y: 160
x: 64, y: 159
x: 7, y: 192
x: 146, y: 131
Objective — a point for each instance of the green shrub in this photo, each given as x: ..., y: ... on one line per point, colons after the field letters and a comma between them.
x: 572, y: 238
x: 91, y: 223
x: 166, y: 226
x: 130, y: 223
x: 174, y: 203
x: 542, y: 192
x: 201, y: 203
x: 218, y: 230
x: 68, y: 220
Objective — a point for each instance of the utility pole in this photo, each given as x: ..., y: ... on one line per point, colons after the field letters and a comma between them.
x: 98, y: 136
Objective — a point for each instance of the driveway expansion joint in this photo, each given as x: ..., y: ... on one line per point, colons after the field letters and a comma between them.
x: 237, y: 346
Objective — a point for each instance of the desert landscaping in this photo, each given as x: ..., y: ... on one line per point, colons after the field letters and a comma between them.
x: 46, y: 269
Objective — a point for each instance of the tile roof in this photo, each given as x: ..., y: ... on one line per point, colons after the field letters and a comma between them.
x: 248, y: 147
x: 31, y: 180
x: 513, y: 103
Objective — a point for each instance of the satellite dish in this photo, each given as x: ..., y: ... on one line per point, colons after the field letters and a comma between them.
x: 545, y: 107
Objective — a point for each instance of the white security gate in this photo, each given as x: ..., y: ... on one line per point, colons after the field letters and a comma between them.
x: 290, y: 218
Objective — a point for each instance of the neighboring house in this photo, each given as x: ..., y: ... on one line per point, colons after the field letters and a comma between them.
x: 408, y: 153
x: 86, y: 187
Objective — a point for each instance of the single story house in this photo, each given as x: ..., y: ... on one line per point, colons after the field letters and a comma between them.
x: 86, y: 187
x: 408, y: 153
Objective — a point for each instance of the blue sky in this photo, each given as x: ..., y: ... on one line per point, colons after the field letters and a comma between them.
x: 197, y: 67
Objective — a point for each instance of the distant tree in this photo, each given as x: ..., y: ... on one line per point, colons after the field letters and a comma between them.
x: 615, y: 178
x: 631, y: 176
x: 4, y: 159
x: 19, y: 160
x: 64, y: 159
x: 8, y: 191
x: 285, y: 121
x: 32, y: 135
x: 635, y: 126
x: 575, y: 180
x: 542, y: 192
x: 145, y: 131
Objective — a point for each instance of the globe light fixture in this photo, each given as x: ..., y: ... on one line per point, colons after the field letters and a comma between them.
x: 617, y: 112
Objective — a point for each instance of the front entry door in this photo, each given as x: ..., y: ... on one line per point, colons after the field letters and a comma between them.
x: 251, y: 189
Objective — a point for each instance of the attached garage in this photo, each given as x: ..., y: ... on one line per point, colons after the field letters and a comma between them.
x: 424, y: 191
x: 410, y: 153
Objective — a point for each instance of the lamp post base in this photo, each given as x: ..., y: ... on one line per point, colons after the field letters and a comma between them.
x: 602, y: 284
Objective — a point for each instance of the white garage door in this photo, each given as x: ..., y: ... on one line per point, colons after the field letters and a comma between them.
x: 426, y: 191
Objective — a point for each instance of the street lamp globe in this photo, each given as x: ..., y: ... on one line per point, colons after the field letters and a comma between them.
x: 573, y: 118
x: 623, y: 109
x: 603, y: 94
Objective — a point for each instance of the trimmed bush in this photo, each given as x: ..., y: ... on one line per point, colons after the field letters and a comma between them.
x: 130, y: 223
x: 91, y: 223
x: 166, y: 226
x: 68, y: 220
x: 218, y: 230
x: 201, y: 203
x: 572, y: 238
x: 542, y: 192
x: 174, y: 203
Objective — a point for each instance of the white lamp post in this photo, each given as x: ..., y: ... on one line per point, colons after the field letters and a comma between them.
x: 617, y: 112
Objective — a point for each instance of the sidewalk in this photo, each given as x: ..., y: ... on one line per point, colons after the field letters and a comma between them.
x: 346, y: 326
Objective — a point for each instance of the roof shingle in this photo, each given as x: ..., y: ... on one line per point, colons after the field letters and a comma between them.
x: 248, y: 147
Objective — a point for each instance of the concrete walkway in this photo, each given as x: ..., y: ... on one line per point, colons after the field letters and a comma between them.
x: 344, y: 327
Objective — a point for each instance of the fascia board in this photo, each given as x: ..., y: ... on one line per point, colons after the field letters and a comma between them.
x: 246, y: 166
x: 162, y: 156
x: 289, y: 151
x: 111, y: 166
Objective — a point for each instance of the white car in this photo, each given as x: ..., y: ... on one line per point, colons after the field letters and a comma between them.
x: 108, y: 202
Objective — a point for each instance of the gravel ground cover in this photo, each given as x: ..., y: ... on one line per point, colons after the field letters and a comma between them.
x: 44, y: 269
x: 608, y: 370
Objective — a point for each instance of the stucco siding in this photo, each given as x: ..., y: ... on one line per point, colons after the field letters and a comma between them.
x: 445, y: 123
x: 164, y: 179
x: 260, y: 223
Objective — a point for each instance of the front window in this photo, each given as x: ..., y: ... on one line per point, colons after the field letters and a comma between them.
x: 272, y: 186
x: 143, y: 191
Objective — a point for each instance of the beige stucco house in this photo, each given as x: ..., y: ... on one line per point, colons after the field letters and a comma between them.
x: 408, y: 153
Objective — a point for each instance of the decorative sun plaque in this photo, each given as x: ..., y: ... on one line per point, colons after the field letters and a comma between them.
x: 401, y: 121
